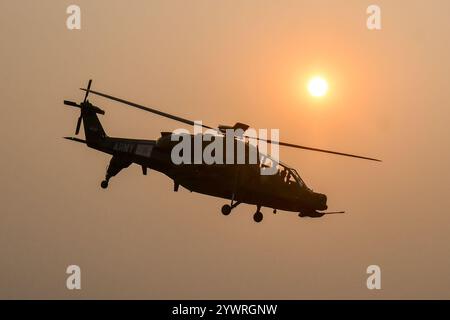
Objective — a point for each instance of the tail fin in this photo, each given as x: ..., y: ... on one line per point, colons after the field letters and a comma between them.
x: 93, y: 129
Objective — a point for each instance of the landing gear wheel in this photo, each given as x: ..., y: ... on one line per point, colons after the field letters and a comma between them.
x: 104, y: 184
x: 258, y: 216
x: 226, y: 209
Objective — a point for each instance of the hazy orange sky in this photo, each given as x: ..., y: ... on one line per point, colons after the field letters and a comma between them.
x: 223, y: 62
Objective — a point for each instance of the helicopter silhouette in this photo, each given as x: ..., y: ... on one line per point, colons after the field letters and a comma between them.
x: 238, y: 182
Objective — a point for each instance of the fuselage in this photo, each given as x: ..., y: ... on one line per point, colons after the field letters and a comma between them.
x: 239, y: 182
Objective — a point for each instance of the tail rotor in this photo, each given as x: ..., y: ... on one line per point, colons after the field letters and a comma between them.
x: 85, y: 105
x: 87, y: 90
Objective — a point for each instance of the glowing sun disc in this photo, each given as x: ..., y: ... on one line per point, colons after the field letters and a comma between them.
x: 317, y: 87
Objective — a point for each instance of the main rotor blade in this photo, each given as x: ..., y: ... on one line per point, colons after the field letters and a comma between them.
x: 138, y: 106
x: 291, y: 145
x: 75, y: 139
x: 190, y: 122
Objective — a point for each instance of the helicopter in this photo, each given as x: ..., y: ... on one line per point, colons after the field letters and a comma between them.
x: 240, y: 183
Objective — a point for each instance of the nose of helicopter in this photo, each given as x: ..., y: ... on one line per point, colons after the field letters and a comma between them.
x: 320, y: 200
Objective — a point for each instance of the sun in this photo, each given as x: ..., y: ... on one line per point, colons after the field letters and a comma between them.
x: 318, y: 87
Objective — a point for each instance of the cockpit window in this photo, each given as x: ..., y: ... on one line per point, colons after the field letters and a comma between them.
x: 298, y: 178
x: 290, y: 176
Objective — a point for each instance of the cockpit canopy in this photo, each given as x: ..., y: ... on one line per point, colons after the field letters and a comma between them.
x: 288, y: 175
